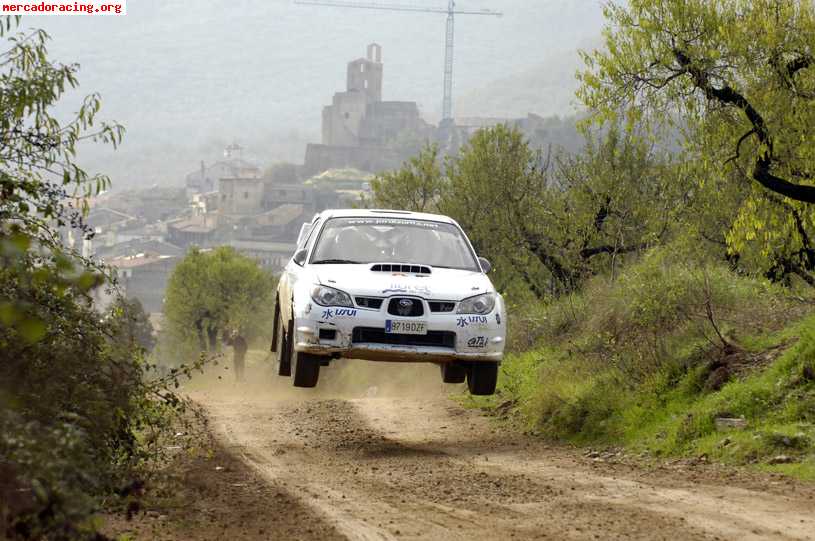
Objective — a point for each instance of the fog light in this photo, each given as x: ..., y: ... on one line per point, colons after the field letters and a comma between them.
x: 328, y: 334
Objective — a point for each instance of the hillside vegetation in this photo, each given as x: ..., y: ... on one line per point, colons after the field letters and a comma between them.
x: 83, y: 414
x: 659, y: 281
x: 652, y: 359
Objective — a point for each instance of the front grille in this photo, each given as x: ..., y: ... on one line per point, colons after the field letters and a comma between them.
x: 405, y: 307
x: 395, y: 267
x: 441, y: 306
x: 371, y: 335
x: 369, y: 302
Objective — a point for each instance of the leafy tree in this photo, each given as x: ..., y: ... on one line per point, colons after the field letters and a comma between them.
x: 417, y: 186
x: 212, y: 292
x: 498, y: 192
x: 132, y: 327
x: 621, y: 196
x: 547, y: 225
x: 74, y: 402
x: 736, y: 77
x: 40, y: 180
x: 554, y: 224
x: 41, y: 185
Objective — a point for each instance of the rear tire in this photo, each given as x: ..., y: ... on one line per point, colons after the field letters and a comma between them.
x: 482, y: 377
x: 284, y: 348
x: 276, y: 328
x: 453, y: 373
x: 305, y: 369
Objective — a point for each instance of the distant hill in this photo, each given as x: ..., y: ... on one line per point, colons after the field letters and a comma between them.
x: 188, y: 78
x: 546, y: 89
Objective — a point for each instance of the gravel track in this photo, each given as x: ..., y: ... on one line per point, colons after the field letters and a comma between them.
x: 425, y: 468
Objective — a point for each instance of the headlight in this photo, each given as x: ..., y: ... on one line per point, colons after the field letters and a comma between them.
x: 328, y: 296
x: 480, y: 304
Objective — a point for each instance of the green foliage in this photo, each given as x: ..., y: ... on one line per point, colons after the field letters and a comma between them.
x: 498, y: 193
x: 133, y: 329
x: 214, y: 291
x: 78, y: 414
x: 776, y: 403
x: 74, y: 402
x: 630, y: 361
x: 417, y: 186
x: 547, y: 225
x: 621, y: 196
x: 38, y: 169
x: 41, y: 185
x: 737, y: 78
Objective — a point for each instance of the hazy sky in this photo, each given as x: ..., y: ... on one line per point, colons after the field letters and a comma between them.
x: 186, y: 77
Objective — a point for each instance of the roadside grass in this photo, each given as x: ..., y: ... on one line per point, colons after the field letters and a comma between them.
x: 650, y: 360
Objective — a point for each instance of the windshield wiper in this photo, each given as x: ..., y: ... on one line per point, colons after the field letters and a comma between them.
x: 335, y: 262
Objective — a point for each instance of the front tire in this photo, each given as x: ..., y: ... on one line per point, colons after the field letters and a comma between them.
x: 482, y: 378
x: 305, y: 369
x: 284, y: 348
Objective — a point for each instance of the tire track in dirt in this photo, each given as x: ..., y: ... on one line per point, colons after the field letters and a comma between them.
x: 725, y: 510
x: 427, y: 469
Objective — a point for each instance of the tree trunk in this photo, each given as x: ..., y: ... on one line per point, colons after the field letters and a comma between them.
x: 212, y: 334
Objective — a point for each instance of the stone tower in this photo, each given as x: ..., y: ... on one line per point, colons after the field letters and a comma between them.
x: 365, y: 74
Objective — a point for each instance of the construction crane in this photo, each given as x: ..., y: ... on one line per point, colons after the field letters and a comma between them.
x: 451, y: 11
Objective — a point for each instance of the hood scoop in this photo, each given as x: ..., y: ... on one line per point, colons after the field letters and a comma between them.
x: 399, y: 267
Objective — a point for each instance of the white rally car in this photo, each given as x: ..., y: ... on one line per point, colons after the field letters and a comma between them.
x: 388, y: 286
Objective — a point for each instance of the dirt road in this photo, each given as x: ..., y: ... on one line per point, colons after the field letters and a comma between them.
x: 425, y: 468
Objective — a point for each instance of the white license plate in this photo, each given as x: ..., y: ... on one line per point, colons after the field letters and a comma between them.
x: 397, y: 326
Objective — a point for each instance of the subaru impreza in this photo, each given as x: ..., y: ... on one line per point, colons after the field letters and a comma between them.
x: 384, y: 285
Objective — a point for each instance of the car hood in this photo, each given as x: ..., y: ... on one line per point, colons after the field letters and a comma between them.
x: 441, y: 284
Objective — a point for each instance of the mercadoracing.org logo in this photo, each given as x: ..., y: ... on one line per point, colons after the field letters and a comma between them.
x: 62, y: 7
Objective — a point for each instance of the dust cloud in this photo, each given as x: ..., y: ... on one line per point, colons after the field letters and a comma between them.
x: 343, y: 379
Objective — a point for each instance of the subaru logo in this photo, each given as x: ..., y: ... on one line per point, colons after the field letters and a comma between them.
x: 405, y: 307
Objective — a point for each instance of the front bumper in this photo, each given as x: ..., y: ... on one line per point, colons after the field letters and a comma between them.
x: 331, y: 332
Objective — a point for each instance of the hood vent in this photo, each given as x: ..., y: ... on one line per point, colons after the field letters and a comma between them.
x: 397, y: 267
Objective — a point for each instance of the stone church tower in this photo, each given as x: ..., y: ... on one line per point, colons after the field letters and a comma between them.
x: 342, y: 119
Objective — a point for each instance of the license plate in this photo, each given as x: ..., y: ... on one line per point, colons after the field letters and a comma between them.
x: 397, y: 326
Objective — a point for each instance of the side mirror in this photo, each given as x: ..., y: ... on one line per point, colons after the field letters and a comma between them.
x: 486, y: 266
x: 300, y: 256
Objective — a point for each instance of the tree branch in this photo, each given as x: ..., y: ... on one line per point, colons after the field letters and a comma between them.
x: 726, y: 95
x: 588, y: 253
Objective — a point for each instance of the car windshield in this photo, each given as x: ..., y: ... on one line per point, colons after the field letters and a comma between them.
x: 393, y: 240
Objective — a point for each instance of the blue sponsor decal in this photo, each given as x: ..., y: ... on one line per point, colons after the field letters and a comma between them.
x: 331, y: 313
x: 471, y: 320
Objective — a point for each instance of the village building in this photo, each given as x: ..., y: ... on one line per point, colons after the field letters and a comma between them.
x: 199, y: 230
x: 144, y: 276
x: 270, y: 255
x: 206, y: 178
x: 139, y: 246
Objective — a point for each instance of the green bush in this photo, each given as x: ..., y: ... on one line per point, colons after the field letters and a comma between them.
x: 77, y: 414
x: 78, y: 417
x: 627, y: 355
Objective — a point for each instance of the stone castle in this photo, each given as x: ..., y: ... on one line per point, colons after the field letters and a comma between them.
x: 362, y: 131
